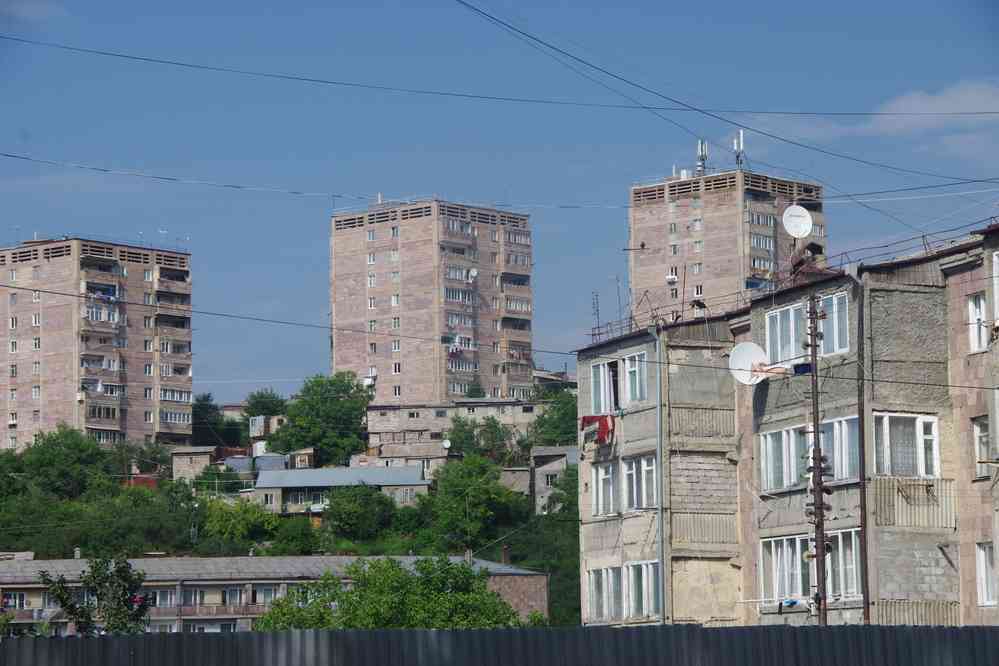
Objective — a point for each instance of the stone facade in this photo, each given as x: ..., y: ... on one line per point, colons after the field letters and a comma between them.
x: 430, y: 297
x: 99, y: 338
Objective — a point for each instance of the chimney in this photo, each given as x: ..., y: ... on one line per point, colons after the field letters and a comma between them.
x: 76, y: 553
x: 505, y: 554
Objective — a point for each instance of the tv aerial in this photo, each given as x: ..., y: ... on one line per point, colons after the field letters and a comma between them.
x: 797, y: 221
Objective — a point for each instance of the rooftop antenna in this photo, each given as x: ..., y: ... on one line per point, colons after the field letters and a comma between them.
x: 739, y: 148
x: 674, y: 171
x: 379, y: 197
x: 596, y: 308
x: 702, y: 157
x: 620, y: 310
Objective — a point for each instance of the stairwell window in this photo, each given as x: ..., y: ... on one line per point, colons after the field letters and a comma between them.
x: 978, y: 329
x: 395, y: 300
x: 840, y: 442
x: 637, y: 372
x: 606, y: 594
x: 696, y: 268
x: 783, y: 456
x: 984, y: 450
x: 372, y: 324
x: 906, y: 445
x: 36, y: 343
x: 371, y: 234
x: 396, y: 345
x: 604, y: 483
x: 986, y: 573
x: 786, y: 330
x: 674, y: 249
x: 371, y: 258
x: 371, y: 302
x: 371, y: 279
x: 604, y: 388
x: 698, y: 246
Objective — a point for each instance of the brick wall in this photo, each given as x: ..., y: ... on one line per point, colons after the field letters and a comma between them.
x: 702, y: 482
x: 526, y: 593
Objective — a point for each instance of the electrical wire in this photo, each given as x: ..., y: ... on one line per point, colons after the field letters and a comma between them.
x: 467, y: 95
x: 711, y: 114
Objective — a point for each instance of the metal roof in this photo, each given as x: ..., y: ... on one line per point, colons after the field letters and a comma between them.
x: 328, y: 477
x: 222, y: 569
x: 188, y: 450
x: 571, y: 453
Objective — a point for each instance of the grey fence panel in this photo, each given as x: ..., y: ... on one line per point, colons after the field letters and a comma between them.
x: 680, y: 645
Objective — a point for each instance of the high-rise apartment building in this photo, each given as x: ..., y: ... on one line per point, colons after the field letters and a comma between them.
x: 98, y: 337
x: 430, y: 299
x: 715, y: 238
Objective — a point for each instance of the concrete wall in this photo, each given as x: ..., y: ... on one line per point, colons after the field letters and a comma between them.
x: 526, y: 594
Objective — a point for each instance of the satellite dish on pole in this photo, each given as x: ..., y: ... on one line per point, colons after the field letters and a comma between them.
x: 446, y: 444
x: 797, y: 221
x: 747, y: 362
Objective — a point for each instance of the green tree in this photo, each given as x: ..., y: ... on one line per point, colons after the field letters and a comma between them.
x: 110, y: 600
x: 63, y: 463
x: 209, y: 427
x: 294, y: 536
x: 475, y: 389
x: 488, y: 438
x: 308, y: 606
x: 358, y: 512
x: 469, y: 507
x: 265, y: 402
x: 241, y: 521
x: 218, y: 481
x: 556, y: 426
x: 328, y: 414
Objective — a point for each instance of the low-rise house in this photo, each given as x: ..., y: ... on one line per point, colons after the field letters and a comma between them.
x: 548, y: 464
x: 190, y: 461
x: 223, y: 594
x: 305, y: 491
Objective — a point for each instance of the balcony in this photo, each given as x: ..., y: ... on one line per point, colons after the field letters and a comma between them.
x: 173, y: 282
x: 914, y: 502
x: 208, y: 610
x: 35, y: 614
x: 507, y: 311
x: 101, y: 373
x: 90, y: 324
x: 515, y: 289
x: 173, y: 428
x: 173, y: 304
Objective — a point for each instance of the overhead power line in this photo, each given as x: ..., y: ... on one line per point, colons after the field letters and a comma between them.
x: 703, y: 111
x: 468, y: 95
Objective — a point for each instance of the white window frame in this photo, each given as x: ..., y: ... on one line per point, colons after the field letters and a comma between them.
x: 396, y: 345
x: 985, y: 573
x: 636, y: 366
x: 983, y: 449
x: 785, y: 550
x: 831, y: 343
x: 371, y: 302
x: 792, y: 461
x: 921, y: 420
x: 698, y: 246
x: 606, y: 597
x: 371, y: 258
x: 605, y: 500
x: 640, y: 482
x: 649, y: 602
x: 839, y: 453
x: 796, y: 317
x: 978, y: 324
x: 371, y: 280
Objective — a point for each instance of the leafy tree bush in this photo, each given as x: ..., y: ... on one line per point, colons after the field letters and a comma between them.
x: 358, y: 512
x: 556, y: 426
x: 294, y: 536
x: 111, y: 598
x: 265, y: 402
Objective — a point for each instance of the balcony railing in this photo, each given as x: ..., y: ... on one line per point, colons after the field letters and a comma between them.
x: 173, y: 286
x: 209, y: 610
x: 914, y: 502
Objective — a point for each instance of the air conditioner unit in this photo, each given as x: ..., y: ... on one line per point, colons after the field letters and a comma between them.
x: 671, y: 279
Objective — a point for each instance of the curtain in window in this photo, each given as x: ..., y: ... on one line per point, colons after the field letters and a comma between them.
x: 801, y: 454
x: 775, y: 449
x: 902, y: 445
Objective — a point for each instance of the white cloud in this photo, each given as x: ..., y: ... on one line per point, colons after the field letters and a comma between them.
x: 963, y: 96
x: 33, y: 10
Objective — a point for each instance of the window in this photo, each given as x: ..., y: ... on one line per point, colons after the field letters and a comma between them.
x: 13, y: 323
x: 639, y: 482
x: 147, y: 369
x: 983, y: 448
x: 371, y: 234
x: 396, y: 345
x: 12, y: 418
x: 13, y: 299
x: 36, y: 343
x: 834, y: 328
x: 674, y: 249
x: 906, y: 445
x: 147, y: 298
x: 395, y: 300
x: 36, y: 319
x: 148, y: 416
x: 396, y: 368
x: 986, y: 574
x: 696, y: 224
x: 644, y: 589
x: 232, y: 596
x: 372, y: 348
x: 36, y: 296
x: 396, y: 322
x: 371, y: 325
x: 698, y: 290
x: 604, y: 489
x: 604, y: 388
x: 13, y: 370
x: 672, y: 227
x: 839, y: 440
x: 762, y: 264
x: 786, y: 334
x: 395, y: 276
x: 550, y: 480
x: 636, y: 371
x: 147, y: 275
x: 371, y: 302
x: 11, y: 441
x: 371, y: 258
x: 36, y: 367
x: 606, y: 594
x: 36, y: 392
x: 698, y: 246
x: 147, y: 322
x: 12, y: 394
x: 414, y: 415
x: 147, y: 345
x: 978, y: 331
x: 36, y: 415
x: 397, y: 391
x: 371, y: 279
x: 393, y: 255
x: 783, y: 458
x: 674, y: 293
x: 761, y: 242
x: 395, y: 232
x: 13, y: 275
x: 783, y: 571
x: 147, y: 392
x: 269, y: 499
x: 673, y: 271
x: 696, y: 268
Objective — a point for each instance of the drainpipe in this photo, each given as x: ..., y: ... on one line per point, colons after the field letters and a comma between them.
x: 865, y: 585
x: 660, y: 463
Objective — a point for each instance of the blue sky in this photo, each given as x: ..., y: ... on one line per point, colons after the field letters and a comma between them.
x: 265, y: 254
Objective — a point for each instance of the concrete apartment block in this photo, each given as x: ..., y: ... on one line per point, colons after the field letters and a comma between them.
x: 406, y: 277
x: 734, y: 494
x: 99, y: 338
x: 714, y: 237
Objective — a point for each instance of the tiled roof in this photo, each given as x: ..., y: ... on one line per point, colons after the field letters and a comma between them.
x: 223, y: 569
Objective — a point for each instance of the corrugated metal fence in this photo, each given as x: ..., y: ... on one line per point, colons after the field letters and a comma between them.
x: 680, y: 645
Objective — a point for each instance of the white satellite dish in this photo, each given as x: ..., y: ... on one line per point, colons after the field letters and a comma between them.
x: 446, y: 444
x: 797, y: 221
x: 746, y: 361
x: 473, y: 273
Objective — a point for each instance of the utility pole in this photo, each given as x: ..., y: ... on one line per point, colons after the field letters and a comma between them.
x: 865, y: 590
x: 818, y: 467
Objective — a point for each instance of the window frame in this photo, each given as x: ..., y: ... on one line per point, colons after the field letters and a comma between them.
x: 638, y: 485
x: 980, y: 432
x: 838, y: 346
x: 611, y: 594
x: 796, y: 338
x: 985, y: 574
x: 885, y: 454
x: 651, y: 597
x: 604, y: 503
x: 978, y: 324
x: 636, y: 364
